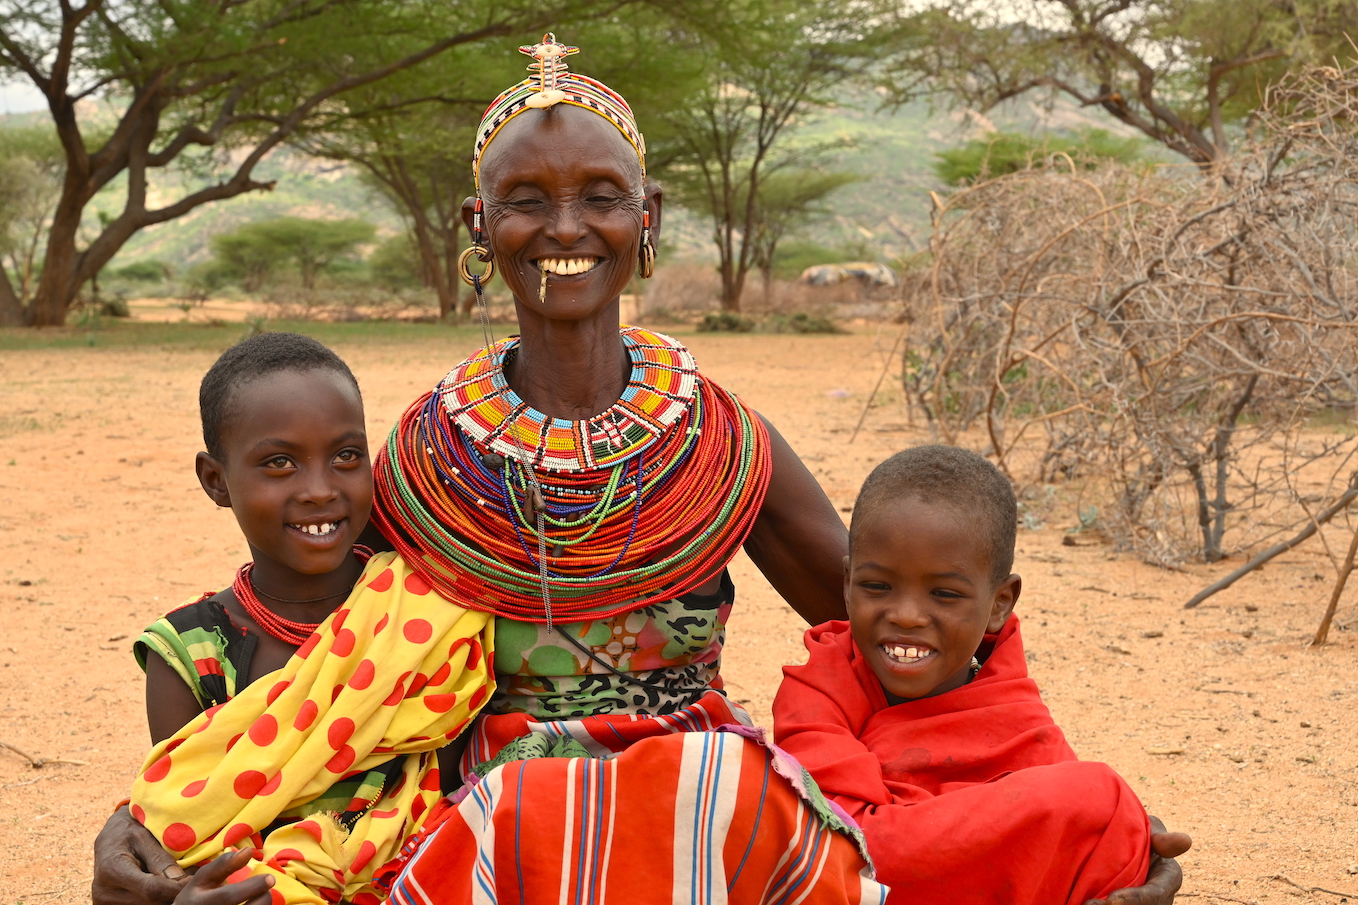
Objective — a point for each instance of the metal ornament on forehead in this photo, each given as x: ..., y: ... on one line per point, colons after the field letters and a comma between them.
x: 553, y: 83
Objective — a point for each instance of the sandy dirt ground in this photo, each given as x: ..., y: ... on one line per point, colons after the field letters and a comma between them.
x: 105, y: 528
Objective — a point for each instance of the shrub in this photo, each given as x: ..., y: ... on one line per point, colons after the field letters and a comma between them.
x: 725, y: 322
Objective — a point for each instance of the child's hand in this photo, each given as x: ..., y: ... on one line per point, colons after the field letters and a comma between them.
x: 209, y: 886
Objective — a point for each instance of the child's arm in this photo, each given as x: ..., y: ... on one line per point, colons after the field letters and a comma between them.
x: 210, y: 885
x: 170, y: 703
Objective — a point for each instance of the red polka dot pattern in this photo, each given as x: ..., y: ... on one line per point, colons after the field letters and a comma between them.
x: 366, y: 851
x: 344, y: 759
x: 343, y: 645
x: 272, y: 785
x: 309, y: 645
x: 416, y: 585
x: 417, y: 631
x: 442, y: 675
x: 179, y: 837
x: 382, y: 583
x: 264, y: 730
x: 397, y: 692
x: 237, y: 834
x: 194, y: 788
x: 363, y: 675
x: 277, y: 898
x: 278, y: 689
x: 157, y: 771
x: 312, y: 828
x: 138, y: 814
x: 288, y: 854
x: 248, y: 784
x: 235, y: 738
x: 381, y: 624
x: 339, y: 732
x: 337, y: 622
x: 306, y: 715
x: 440, y: 703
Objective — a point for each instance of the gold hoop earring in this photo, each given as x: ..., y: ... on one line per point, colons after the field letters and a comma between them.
x: 646, y: 267
x: 484, y: 256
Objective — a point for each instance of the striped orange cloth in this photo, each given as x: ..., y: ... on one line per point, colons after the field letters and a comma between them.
x: 680, y: 815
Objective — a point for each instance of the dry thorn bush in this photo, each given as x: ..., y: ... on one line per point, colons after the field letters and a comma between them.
x: 1169, y: 337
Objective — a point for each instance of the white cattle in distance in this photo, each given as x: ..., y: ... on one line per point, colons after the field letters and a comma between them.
x: 868, y: 275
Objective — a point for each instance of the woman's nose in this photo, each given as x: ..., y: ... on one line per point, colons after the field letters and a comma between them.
x: 566, y: 226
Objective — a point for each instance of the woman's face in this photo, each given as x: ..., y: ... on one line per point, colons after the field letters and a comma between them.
x: 562, y: 193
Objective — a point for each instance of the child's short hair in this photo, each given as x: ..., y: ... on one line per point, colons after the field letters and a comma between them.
x: 957, y: 477
x: 250, y: 359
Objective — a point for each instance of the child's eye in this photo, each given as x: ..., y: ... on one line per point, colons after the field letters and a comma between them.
x: 349, y: 456
x: 278, y: 462
x: 875, y: 587
x: 947, y: 594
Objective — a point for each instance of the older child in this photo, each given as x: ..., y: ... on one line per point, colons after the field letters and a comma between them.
x: 298, y: 712
x: 917, y: 715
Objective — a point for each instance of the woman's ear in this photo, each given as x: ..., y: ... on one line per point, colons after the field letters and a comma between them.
x: 1006, y: 597
x: 212, y: 476
x: 469, y: 215
x: 654, y: 204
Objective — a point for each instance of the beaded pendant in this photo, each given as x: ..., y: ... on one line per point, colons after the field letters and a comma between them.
x: 659, y: 391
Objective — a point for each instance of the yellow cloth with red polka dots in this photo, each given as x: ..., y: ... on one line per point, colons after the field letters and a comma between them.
x: 396, y: 672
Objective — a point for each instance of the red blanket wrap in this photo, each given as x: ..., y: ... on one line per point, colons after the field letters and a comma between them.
x: 971, y: 796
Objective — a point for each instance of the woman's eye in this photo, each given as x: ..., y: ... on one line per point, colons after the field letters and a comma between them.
x: 348, y: 456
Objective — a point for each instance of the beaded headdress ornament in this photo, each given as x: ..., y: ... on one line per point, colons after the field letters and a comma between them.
x: 552, y: 83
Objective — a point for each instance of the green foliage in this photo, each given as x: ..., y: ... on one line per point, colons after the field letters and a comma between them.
x: 726, y: 322
x: 801, y: 322
x: 780, y: 61
x: 150, y: 271
x: 31, y: 168
x: 1008, y: 152
x: 256, y: 251
x: 1181, y: 72
x: 395, y: 264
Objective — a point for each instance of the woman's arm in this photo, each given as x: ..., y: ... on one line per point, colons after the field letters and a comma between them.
x: 799, y: 541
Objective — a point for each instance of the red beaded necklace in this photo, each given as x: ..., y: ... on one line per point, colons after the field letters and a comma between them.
x: 285, y: 630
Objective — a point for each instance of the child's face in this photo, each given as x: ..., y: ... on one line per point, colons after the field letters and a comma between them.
x: 920, y: 597
x: 296, y: 462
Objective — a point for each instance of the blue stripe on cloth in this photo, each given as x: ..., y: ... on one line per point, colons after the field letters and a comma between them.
x: 754, y: 833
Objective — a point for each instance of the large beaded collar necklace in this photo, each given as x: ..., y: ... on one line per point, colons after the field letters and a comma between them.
x: 659, y: 392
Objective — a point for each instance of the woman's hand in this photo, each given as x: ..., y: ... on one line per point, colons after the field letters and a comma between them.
x: 209, y: 885
x: 130, y: 867
x: 1165, y: 876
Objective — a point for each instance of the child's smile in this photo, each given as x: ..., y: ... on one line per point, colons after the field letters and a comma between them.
x: 921, y: 597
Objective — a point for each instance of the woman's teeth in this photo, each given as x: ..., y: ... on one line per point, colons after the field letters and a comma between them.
x: 316, y: 530
x: 906, y: 654
x: 567, y: 266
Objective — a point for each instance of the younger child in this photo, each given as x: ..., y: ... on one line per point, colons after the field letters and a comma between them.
x: 917, y: 715
x: 298, y: 712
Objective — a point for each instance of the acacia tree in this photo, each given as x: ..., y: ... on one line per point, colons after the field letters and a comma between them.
x: 1180, y: 72
x: 784, y: 60
x: 210, y: 85
x: 31, y: 164
x: 788, y: 200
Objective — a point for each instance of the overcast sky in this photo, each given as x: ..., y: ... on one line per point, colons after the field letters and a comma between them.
x: 20, y: 98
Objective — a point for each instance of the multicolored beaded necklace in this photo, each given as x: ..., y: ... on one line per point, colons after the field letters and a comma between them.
x: 285, y: 630
x: 652, y: 496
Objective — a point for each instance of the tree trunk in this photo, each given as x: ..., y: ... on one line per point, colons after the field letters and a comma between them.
x: 59, y: 283
x: 448, y: 278
x: 11, y: 309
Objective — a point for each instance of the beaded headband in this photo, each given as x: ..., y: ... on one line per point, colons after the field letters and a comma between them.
x: 553, y: 84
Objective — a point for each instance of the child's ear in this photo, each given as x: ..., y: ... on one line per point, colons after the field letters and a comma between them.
x: 212, y: 476
x: 846, y: 581
x: 1006, y: 596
